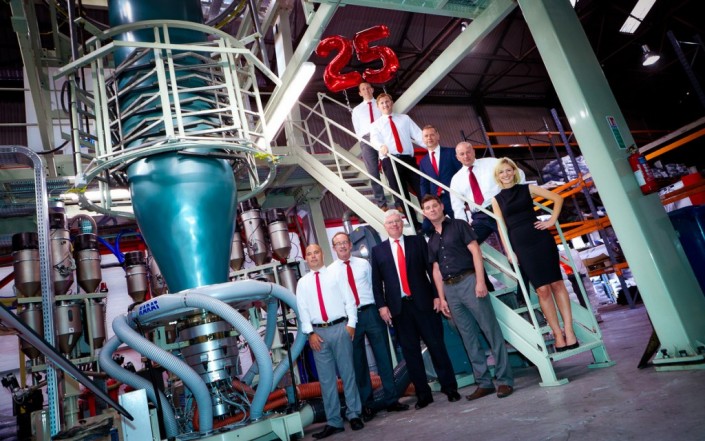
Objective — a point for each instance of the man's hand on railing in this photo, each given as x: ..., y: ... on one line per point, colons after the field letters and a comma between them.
x: 384, y: 150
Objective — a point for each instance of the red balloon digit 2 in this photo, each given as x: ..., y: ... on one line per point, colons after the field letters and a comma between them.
x: 332, y: 76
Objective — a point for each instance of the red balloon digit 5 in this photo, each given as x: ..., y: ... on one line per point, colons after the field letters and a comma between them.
x: 332, y: 76
x: 366, y: 54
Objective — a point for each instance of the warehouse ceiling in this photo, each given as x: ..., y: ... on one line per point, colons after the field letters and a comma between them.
x: 505, y: 68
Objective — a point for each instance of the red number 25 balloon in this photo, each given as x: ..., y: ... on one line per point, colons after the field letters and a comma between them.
x: 336, y: 81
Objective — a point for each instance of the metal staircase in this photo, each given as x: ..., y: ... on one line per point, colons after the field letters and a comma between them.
x: 319, y: 153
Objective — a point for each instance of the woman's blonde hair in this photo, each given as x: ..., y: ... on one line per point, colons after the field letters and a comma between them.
x: 512, y: 164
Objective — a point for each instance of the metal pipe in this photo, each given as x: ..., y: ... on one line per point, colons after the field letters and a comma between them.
x: 124, y: 330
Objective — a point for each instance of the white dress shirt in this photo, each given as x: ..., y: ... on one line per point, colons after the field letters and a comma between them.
x: 337, y: 296
x: 361, y: 117
x: 393, y: 245
x: 483, y: 169
x: 381, y: 134
x: 362, y: 272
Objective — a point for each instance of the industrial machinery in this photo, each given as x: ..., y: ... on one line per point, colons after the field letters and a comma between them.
x: 172, y: 109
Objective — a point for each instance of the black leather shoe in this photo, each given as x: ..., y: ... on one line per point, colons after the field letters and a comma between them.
x: 367, y: 414
x: 480, y: 392
x: 356, y: 424
x: 397, y: 407
x: 453, y: 396
x: 328, y: 431
x: 423, y: 402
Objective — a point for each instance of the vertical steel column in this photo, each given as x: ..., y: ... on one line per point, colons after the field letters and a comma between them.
x: 314, y: 199
x: 40, y: 194
x: 687, y: 67
x: 576, y: 206
x: 666, y: 281
x: 485, y: 136
x: 593, y: 210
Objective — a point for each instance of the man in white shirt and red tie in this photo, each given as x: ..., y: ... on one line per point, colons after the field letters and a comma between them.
x: 475, y: 181
x: 393, y: 135
x: 328, y: 315
x: 406, y: 298
x: 358, y: 273
x: 363, y: 115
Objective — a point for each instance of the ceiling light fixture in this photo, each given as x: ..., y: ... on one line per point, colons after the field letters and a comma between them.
x: 637, y: 16
x: 649, y: 57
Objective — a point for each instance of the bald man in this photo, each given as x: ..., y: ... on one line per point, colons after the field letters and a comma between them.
x: 328, y: 315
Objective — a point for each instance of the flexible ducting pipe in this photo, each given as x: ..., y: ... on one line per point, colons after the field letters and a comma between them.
x: 173, y: 302
x: 247, y: 291
x: 272, y: 307
x: 137, y: 382
x: 171, y: 363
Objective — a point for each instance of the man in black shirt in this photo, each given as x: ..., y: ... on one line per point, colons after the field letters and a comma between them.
x: 459, y: 278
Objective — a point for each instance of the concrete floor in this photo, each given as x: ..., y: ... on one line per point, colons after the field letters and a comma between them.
x: 616, y: 403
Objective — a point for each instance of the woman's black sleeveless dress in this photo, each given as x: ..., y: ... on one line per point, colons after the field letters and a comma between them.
x: 535, y: 249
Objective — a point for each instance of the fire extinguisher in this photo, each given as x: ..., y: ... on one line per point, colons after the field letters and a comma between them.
x: 642, y: 172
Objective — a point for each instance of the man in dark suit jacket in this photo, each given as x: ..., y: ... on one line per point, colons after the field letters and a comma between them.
x: 441, y: 164
x: 407, y: 300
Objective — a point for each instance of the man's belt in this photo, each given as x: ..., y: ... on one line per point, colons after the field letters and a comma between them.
x: 326, y: 325
x: 363, y: 307
x: 452, y: 280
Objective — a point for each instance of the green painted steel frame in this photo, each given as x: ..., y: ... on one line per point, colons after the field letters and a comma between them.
x: 666, y: 281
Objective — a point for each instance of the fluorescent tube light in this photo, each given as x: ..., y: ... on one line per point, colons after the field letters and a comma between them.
x: 637, y: 16
x: 285, y: 98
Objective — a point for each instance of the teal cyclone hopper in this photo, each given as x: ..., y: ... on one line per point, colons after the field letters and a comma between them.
x: 183, y: 204
x: 185, y: 208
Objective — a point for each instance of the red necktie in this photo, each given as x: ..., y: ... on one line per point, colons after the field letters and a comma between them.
x: 397, y: 140
x: 324, y: 315
x: 475, y: 187
x: 372, y: 115
x: 435, y: 168
x: 351, y: 281
x: 401, y: 260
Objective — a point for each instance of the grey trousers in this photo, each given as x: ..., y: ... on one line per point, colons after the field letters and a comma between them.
x: 472, y: 315
x: 336, y: 352
x: 370, y: 157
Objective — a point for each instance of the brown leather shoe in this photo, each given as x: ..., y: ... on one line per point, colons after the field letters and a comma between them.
x: 504, y: 391
x: 480, y: 392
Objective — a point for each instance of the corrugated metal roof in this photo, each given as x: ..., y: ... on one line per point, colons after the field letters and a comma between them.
x: 12, y: 112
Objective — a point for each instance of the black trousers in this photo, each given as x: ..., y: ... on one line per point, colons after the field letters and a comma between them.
x: 412, y: 325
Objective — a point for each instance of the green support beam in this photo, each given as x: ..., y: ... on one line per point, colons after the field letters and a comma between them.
x: 455, y: 53
x: 314, y: 199
x: 666, y: 281
x: 24, y: 22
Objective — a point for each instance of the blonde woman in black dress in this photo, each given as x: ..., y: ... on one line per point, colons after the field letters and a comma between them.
x: 535, y: 247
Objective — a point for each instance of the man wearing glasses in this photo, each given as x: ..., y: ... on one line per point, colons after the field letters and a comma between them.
x: 358, y: 274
